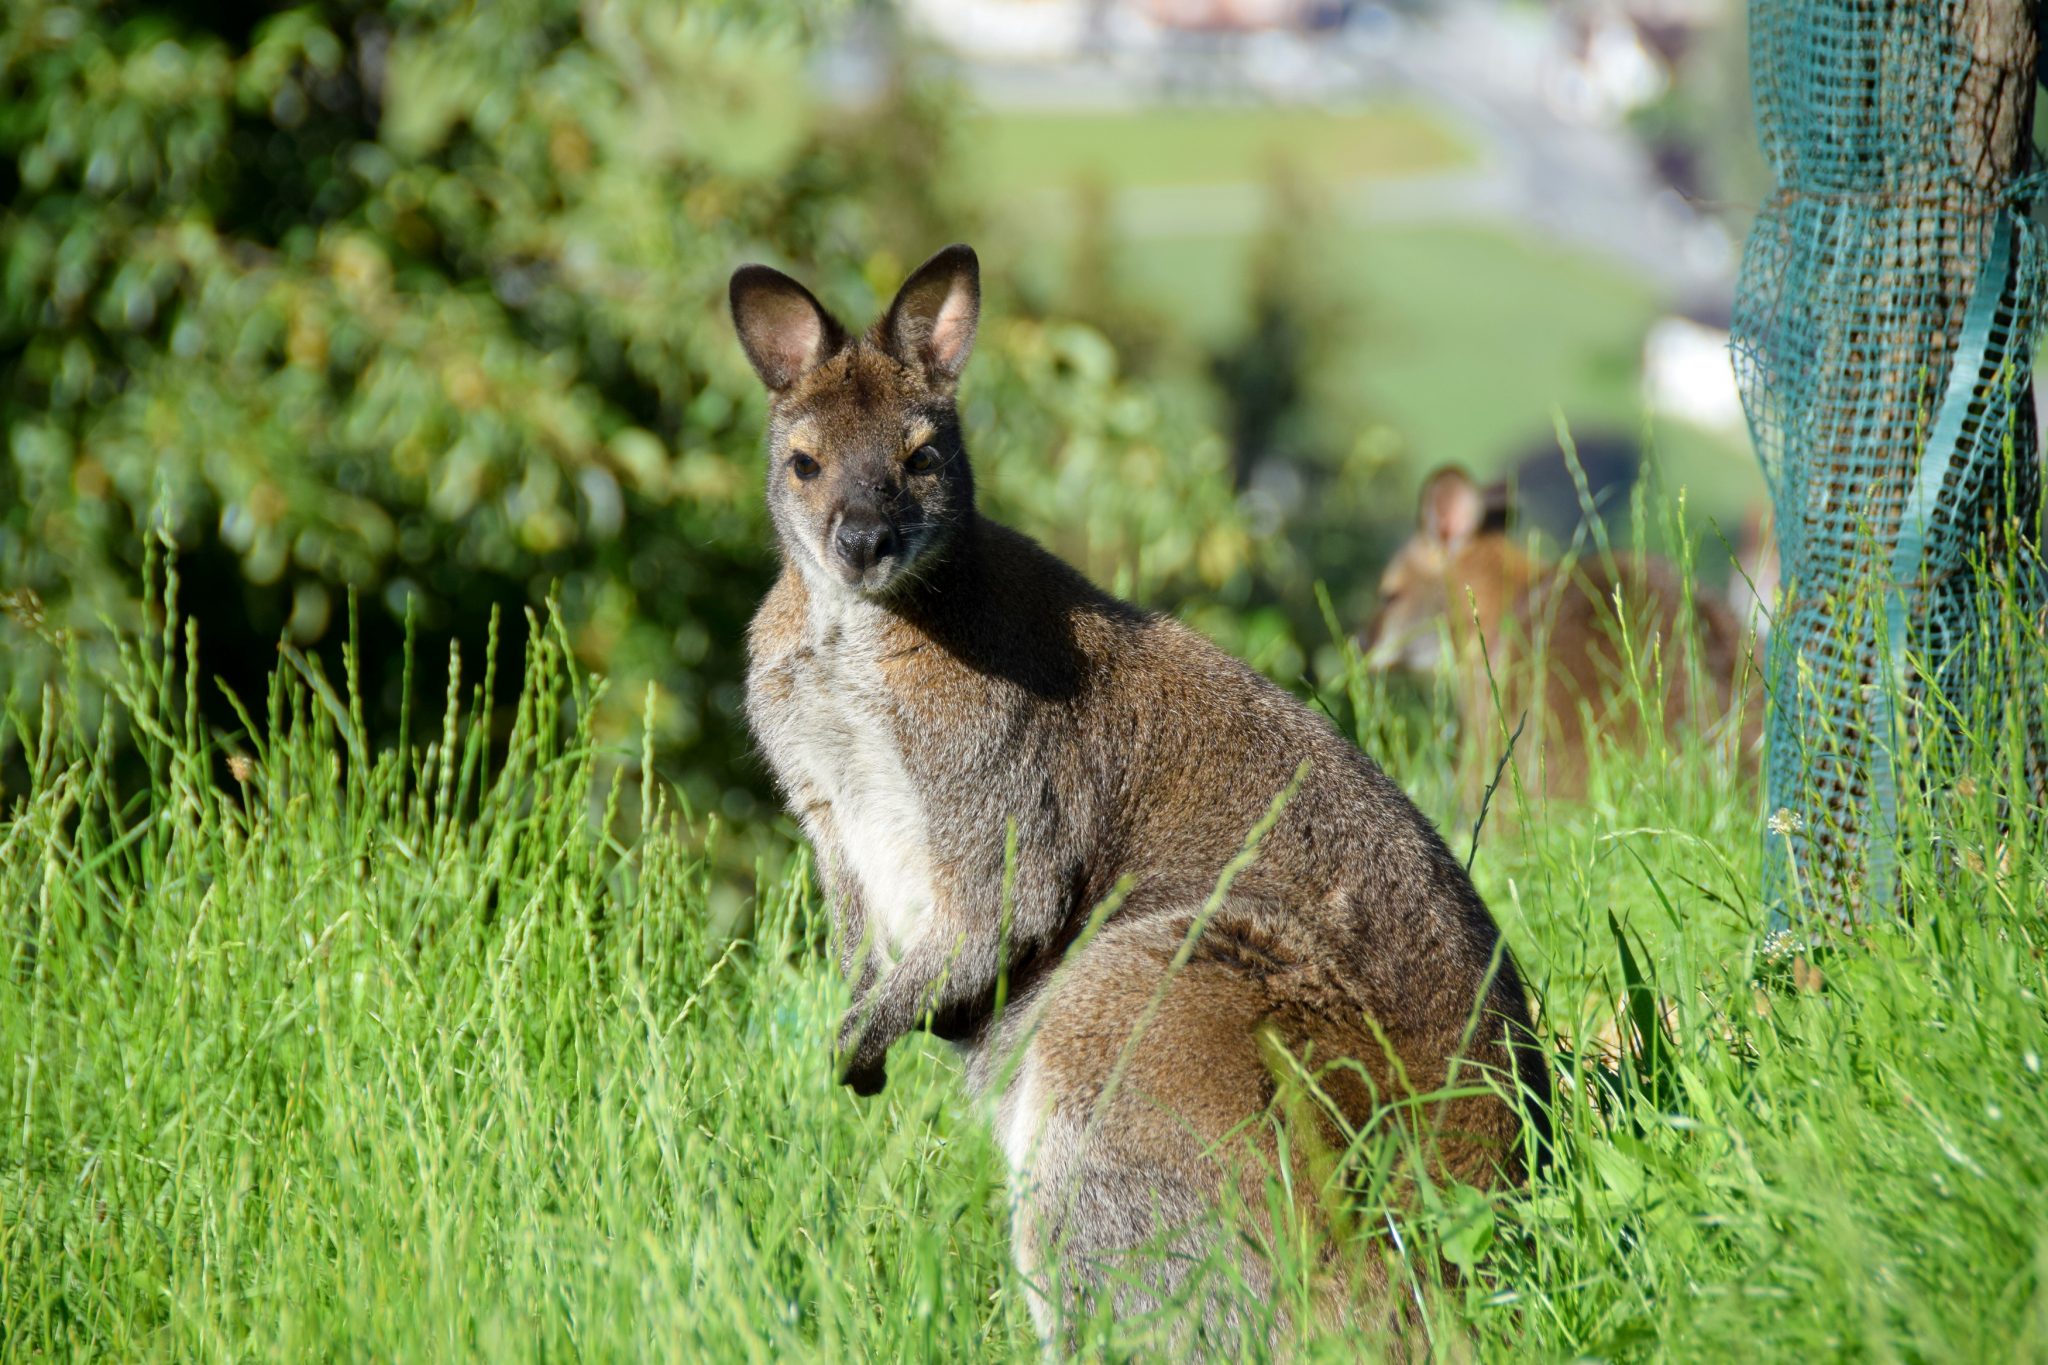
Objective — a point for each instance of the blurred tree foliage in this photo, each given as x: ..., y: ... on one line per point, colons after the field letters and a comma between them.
x: 424, y: 302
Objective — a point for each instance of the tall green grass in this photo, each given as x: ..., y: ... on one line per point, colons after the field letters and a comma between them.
x: 314, y: 1052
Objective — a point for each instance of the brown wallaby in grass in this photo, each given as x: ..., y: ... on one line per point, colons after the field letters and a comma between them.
x: 1548, y: 647
x: 929, y: 686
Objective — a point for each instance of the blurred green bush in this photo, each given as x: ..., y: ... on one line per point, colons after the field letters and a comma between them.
x: 424, y: 302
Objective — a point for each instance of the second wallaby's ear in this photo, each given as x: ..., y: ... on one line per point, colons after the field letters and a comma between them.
x: 1496, y: 506
x: 931, y: 324
x: 1453, y: 507
x: 786, y: 333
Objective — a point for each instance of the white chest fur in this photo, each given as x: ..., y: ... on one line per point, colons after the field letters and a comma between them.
x: 835, y: 744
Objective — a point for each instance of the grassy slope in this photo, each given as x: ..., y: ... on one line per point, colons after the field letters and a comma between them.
x: 1470, y: 337
x: 1469, y: 343
x: 1200, y: 144
x: 302, y: 1066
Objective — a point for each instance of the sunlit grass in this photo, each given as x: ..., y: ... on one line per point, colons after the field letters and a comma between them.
x: 311, y: 1052
x: 1014, y: 152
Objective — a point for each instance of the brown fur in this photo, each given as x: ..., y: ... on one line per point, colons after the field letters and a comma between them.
x: 1548, y: 646
x: 917, y: 708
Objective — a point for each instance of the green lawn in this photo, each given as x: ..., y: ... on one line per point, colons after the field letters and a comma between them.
x: 1464, y: 338
x: 1468, y: 338
x: 1015, y: 153
x: 1537, y: 331
x: 330, y: 1054
x: 1469, y: 343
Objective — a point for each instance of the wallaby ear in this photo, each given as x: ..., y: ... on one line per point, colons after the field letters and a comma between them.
x: 1496, y: 506
x: 1453, y: 507
x: 785, y: 331
x: 931, y: 323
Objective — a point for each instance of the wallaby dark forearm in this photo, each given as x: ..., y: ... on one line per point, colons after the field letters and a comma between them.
x: 997, y: 913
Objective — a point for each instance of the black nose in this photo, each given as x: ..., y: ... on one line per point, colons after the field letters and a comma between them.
x: 864, y: 541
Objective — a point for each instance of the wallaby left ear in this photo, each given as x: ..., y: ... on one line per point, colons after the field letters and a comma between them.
x: 931, y: 323
x: 785, y: 332
x: 1497, y: 501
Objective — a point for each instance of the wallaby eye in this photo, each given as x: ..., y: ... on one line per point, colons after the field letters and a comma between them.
x: 923, y: 460
x: 803, y: 466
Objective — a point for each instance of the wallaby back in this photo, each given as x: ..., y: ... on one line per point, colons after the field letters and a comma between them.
x: 1606, y: 647
x: 984, y: 748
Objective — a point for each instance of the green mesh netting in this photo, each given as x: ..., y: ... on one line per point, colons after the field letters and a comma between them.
x: 1883, y: 339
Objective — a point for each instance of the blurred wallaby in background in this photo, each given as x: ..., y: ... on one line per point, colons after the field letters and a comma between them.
x: 1605, y: 645
x: 984, y: 748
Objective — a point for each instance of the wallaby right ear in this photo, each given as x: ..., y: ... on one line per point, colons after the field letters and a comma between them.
x: 785, y: 331
x: 931, y: 324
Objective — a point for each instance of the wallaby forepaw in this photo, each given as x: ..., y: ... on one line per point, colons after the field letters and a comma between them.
x: 861, y: 1068
x: 865, y: 1079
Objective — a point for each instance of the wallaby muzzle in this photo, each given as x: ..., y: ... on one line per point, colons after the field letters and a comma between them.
x: 863, y: 543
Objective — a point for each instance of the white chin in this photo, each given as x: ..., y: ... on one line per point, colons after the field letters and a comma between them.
x: 876, y: 579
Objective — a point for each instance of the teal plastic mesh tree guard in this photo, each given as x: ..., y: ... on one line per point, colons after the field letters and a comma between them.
x: 1883, y: 336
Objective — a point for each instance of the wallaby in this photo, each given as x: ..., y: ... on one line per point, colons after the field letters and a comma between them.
x: 1561, y: 653
x: 985, y: 750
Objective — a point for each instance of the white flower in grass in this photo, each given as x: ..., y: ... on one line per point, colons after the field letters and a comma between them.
x: 1785, y: 821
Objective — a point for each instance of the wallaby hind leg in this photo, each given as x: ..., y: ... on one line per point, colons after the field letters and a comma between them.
x: 1141, y: 1128
x: 1137, y: 1244
x: 1119, y: 1156
x: 1144, y: 1154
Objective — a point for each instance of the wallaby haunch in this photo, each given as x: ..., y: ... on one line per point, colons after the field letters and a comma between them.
x: 931, y: 687
x: 1615, y: 645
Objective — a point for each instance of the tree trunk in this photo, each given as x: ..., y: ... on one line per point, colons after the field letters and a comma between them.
x: 1897, y: 129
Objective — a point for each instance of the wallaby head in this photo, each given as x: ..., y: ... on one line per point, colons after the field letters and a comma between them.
x: 867, y: 474
x: 1459, y: 559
